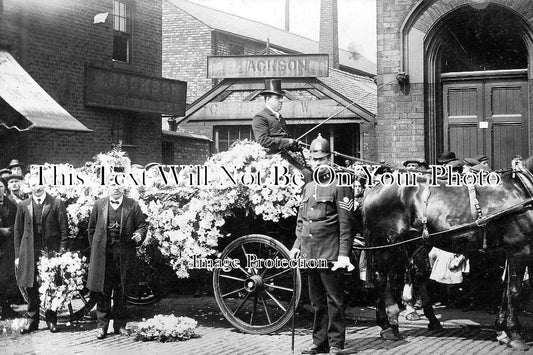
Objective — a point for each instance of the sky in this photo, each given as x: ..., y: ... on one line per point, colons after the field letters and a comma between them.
x: 357, y: 19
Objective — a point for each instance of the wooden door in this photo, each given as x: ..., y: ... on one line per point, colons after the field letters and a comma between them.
x: 485, y: 116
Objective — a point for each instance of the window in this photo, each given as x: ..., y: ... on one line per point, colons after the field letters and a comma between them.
x: 225, y: 136
x: 122, y: 31
x: 124, y: 130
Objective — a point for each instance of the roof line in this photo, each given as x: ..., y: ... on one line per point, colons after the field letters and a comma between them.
x: 247, y: 19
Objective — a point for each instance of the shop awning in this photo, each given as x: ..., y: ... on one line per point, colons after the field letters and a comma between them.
x: 28, y: 98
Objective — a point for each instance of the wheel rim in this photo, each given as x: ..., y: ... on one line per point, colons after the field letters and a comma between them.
x: 256, y: 298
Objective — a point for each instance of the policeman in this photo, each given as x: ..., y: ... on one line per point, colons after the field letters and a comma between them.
x: 324, y: 230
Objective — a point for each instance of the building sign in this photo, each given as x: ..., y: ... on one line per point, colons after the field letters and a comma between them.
x: 268, y: 66
x: 127, y: 91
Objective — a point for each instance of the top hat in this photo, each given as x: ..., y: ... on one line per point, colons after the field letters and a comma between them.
x: 273, y: 86
x: 15, y: 163
x: 447, y: 157
x: 481, y: 158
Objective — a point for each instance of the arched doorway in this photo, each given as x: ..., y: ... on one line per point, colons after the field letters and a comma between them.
x: 479, y: 63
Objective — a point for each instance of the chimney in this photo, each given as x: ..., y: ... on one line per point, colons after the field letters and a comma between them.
x: 329, y: 31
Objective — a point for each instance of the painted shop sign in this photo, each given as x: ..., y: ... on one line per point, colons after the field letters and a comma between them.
x: 268, y: 66
x: 134, y: 92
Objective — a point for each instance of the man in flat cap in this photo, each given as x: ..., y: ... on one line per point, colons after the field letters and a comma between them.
x: 14, y: 184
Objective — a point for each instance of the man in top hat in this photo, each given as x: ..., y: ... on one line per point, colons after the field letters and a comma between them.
x: 325, y: 230
x: 270, y: 129
x: 14, y: 183
x: 16, y: 167
x: 40, y: 224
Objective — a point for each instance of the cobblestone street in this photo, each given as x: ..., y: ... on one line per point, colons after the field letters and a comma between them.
x: 465, y: 333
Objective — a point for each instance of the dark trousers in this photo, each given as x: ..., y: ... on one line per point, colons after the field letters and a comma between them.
x: 326, y: 295
x: 112, y: 286
x: 34, y: 303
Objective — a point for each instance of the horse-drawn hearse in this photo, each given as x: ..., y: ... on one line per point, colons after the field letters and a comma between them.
x: 260, y: 287
x: 256, y: 284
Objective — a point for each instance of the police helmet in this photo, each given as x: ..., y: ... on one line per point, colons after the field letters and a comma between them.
x: 319, y: 147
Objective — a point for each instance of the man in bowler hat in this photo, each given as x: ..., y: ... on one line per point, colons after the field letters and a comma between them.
x: 116, y: 227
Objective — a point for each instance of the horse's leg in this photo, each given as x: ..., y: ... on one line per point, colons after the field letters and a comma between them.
x: 427, y: 306
x: 501, y: 320
x: 383, y: 297
x: 379, y: 287
x: 514, y: 284
x: 391, y: 306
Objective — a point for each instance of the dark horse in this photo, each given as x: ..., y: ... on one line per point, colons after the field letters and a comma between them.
x: 396, y: 213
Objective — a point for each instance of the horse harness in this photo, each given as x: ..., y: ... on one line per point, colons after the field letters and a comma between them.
x: 480, y: 221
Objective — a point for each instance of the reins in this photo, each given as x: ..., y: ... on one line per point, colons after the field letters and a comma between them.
x: 518, y: 208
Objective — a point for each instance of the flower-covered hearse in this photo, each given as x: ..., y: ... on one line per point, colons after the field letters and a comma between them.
x: 242, y: 201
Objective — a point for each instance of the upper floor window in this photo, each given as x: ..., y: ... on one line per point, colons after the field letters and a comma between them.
x: 122, y: 15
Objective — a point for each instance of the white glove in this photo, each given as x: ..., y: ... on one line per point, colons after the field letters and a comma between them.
x: 342, y: 262
x: 17, y: 262
x: 294, y: 253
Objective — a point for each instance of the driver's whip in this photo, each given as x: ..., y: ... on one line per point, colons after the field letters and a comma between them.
x: 293, y: 313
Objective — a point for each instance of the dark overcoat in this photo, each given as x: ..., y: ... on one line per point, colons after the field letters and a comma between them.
x: 325, y: 222
x: 8, y: 211
x: 55, y: 235
x: 270, y: 132
x: 132, y: 221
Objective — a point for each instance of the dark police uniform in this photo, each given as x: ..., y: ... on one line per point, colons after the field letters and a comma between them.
x: 324, y: 230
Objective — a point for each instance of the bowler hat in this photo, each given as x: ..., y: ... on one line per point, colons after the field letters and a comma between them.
x: 5, y: 170
x: 273, y: 86
x: 14, y: 176
x: 15, y: 163
x: 481, y: 158
x: 447, y: 157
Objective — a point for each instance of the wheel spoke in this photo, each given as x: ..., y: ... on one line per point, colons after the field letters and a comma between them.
x: 273, y: 257
x: 275, y: 300
x: 232, y: 277
x: 280, y: 287
x: 244, y: 271
x: 232, y: 292
x: 276, y: 275
x: 266, y: 309
x: 242, y: 303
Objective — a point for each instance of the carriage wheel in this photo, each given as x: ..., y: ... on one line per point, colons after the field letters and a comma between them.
x: 256, y: 300
x: 76, y: 309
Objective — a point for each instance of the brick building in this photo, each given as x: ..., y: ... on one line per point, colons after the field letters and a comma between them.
x: 99, y: 80
x: 193, y: 32
x: 454, y: 75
